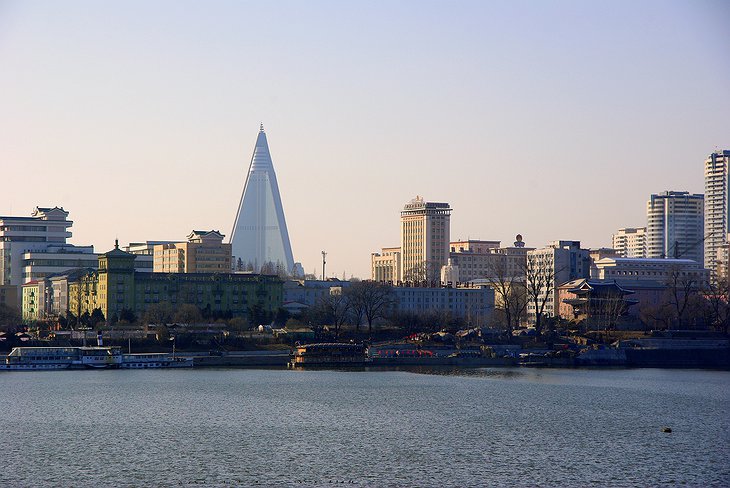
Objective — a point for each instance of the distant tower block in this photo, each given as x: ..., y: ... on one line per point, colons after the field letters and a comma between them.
x: 260, y: 238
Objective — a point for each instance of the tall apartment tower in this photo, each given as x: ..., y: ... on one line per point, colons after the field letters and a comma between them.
x: 630, y: 242
x: 717, y: 205
x: 424, y: 239
x: 675, y: 225
x: 260, y: 237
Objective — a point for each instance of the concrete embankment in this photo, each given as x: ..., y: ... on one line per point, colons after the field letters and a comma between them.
x: 280, y: 359
x: 243, y: 359
x: 678, y: 358
x: 441, y: 361
x: 657, y: 357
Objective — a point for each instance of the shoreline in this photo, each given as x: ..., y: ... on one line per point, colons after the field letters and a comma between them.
x: 709, y: 359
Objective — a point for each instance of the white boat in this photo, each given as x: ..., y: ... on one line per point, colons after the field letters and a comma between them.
x: 154, y: 360
x: 99, y: 357
x: 53, y: 358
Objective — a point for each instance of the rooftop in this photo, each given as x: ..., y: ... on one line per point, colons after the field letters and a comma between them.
x: 663, y: 261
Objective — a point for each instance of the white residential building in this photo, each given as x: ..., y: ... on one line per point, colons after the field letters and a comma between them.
x: 564, y: 261
x: 647, y: 269
x: 32, y: 248
x: 717, y: 205
x: 630, y: 242
x: 56, y: 258
x: 675, y: 225
x: 44, y: 228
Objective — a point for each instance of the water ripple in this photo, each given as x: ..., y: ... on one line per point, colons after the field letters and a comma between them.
x: 420, y: 427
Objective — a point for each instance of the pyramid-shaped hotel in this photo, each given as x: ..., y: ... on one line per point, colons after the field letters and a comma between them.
x: 260, y: 240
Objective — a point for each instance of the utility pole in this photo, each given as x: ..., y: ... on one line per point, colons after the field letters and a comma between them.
x: 324, y: 261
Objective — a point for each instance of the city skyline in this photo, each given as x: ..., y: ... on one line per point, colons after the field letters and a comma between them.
x: 142, y: 131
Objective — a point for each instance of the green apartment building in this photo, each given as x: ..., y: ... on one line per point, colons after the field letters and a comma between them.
x: 116, y: 286
x: 32, y: 301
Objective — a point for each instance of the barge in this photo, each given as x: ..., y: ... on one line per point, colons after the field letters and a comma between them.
x: 328, y: 354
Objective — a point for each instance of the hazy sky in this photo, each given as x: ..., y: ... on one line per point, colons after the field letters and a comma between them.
x: 552, y: 119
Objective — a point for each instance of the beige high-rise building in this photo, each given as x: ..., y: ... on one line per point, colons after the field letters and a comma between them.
x: 425, y: 235
x: 204, y: 252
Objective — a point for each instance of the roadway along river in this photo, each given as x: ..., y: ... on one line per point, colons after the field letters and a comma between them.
x: 438, y: 427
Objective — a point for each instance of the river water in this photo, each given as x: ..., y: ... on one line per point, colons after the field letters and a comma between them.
x: 430, y: 427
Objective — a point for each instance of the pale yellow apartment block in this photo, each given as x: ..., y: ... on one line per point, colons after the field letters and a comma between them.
x: 204, y: 252
x: 385, y: 265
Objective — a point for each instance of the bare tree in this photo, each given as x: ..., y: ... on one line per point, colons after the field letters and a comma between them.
x: 428, y: 271
x: 509, y: 291
x: 605, y: 307
x: 268, y: 268
x: 410, y: 321
x: 335, y: 309
x: 718, y: 297
x: 188, y: 313
x: 356, y: 303
x: 238, y: 324
x: 539, y: 285
x: 657, y: 316
x: 158, y: 313
x: 9, y: 316
x: 682, y: 287
x: 614, y: 307
x: 373, y: 299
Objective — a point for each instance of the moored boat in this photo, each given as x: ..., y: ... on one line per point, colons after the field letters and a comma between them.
x: 328, y: 354
x: 154, y: 360
x: 55, y: 358
x: 99, y: 357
